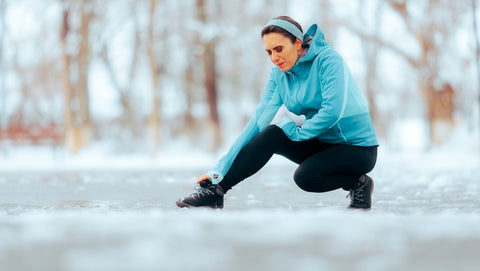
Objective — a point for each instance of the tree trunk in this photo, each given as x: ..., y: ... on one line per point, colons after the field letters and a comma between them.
x: 211, y: 87
x: 210, y: 83
x: 154, y: 118
x: 190, y: 125
x: 77, y: 121
x: 70, y: 140
x: 85, y: 123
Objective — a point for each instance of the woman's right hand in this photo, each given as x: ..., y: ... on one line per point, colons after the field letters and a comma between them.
x: 204, y: 177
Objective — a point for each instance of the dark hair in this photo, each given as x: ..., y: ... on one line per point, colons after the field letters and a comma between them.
x: 281, y: 31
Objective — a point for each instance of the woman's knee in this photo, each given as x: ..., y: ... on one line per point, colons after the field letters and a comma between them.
x: 272, y: 135
x: 273, y: 131
x: 303, y: 180
x: 313, y: 182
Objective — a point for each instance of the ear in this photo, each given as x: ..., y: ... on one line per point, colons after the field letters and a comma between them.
x: 298, y: 44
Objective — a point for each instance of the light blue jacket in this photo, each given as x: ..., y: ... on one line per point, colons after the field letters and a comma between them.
x: 320, y: 87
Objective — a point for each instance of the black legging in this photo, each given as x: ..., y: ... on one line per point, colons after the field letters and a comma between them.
x: 323, y: 167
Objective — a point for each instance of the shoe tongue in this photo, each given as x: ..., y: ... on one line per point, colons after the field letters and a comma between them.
x: 363, y: 179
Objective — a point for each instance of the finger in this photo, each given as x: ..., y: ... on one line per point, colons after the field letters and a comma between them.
x: 203, y: 178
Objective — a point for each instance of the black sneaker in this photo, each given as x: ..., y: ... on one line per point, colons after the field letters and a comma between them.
x: 361, y: 196
x: 206, y: 195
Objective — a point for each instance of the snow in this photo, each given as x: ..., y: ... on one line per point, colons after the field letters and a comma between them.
x: 247, y: 240
x: 97, y: 211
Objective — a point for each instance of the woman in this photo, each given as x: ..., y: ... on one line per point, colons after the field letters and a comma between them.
x: 334, y: 147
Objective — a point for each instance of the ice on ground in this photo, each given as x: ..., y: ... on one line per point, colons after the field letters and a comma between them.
x: 325, y: 239
x: 425, y: 216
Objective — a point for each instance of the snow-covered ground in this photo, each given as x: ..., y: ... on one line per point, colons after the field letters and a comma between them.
x: 86, y: 214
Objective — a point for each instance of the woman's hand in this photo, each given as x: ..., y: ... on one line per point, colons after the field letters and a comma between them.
x: 206, y: 180
x: 202, y: 178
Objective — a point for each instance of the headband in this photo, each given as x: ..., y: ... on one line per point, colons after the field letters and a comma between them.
x: 288, y: 26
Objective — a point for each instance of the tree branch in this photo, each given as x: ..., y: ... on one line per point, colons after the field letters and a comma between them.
x: 374, y: 39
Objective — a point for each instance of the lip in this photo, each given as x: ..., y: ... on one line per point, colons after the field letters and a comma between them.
x: 280, y: 64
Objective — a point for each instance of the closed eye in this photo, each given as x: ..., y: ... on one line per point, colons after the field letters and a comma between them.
x: 277, y: 49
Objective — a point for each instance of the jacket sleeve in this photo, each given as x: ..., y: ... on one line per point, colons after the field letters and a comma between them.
x: 264, y: 113
x: 334, y: 77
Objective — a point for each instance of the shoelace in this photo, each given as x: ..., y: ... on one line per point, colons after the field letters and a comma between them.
x: 200, y: 192
x: 356, y: 195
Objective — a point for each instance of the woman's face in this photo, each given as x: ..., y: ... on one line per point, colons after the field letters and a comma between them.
x: 282, y: 52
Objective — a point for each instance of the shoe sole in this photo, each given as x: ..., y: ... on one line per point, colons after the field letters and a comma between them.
x: 182, y: 204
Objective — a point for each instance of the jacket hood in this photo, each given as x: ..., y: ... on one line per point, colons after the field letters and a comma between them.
x: 317, y: 44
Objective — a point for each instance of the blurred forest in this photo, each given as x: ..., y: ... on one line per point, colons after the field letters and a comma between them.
x: 146, y: 73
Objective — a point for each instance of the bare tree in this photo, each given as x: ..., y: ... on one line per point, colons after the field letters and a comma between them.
x: 426, y: 32
x: 33, y: 119
x: 189, y: 40
x: 210, y: 77
x: 129, y: 120
x: 76, y: 61
x: 439, y: 113
x: 154, y: 119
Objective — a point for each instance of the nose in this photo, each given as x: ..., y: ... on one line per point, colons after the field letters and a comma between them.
x: 274, y: 57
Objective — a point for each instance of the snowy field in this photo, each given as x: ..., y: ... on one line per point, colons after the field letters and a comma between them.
x: 122, y: 216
